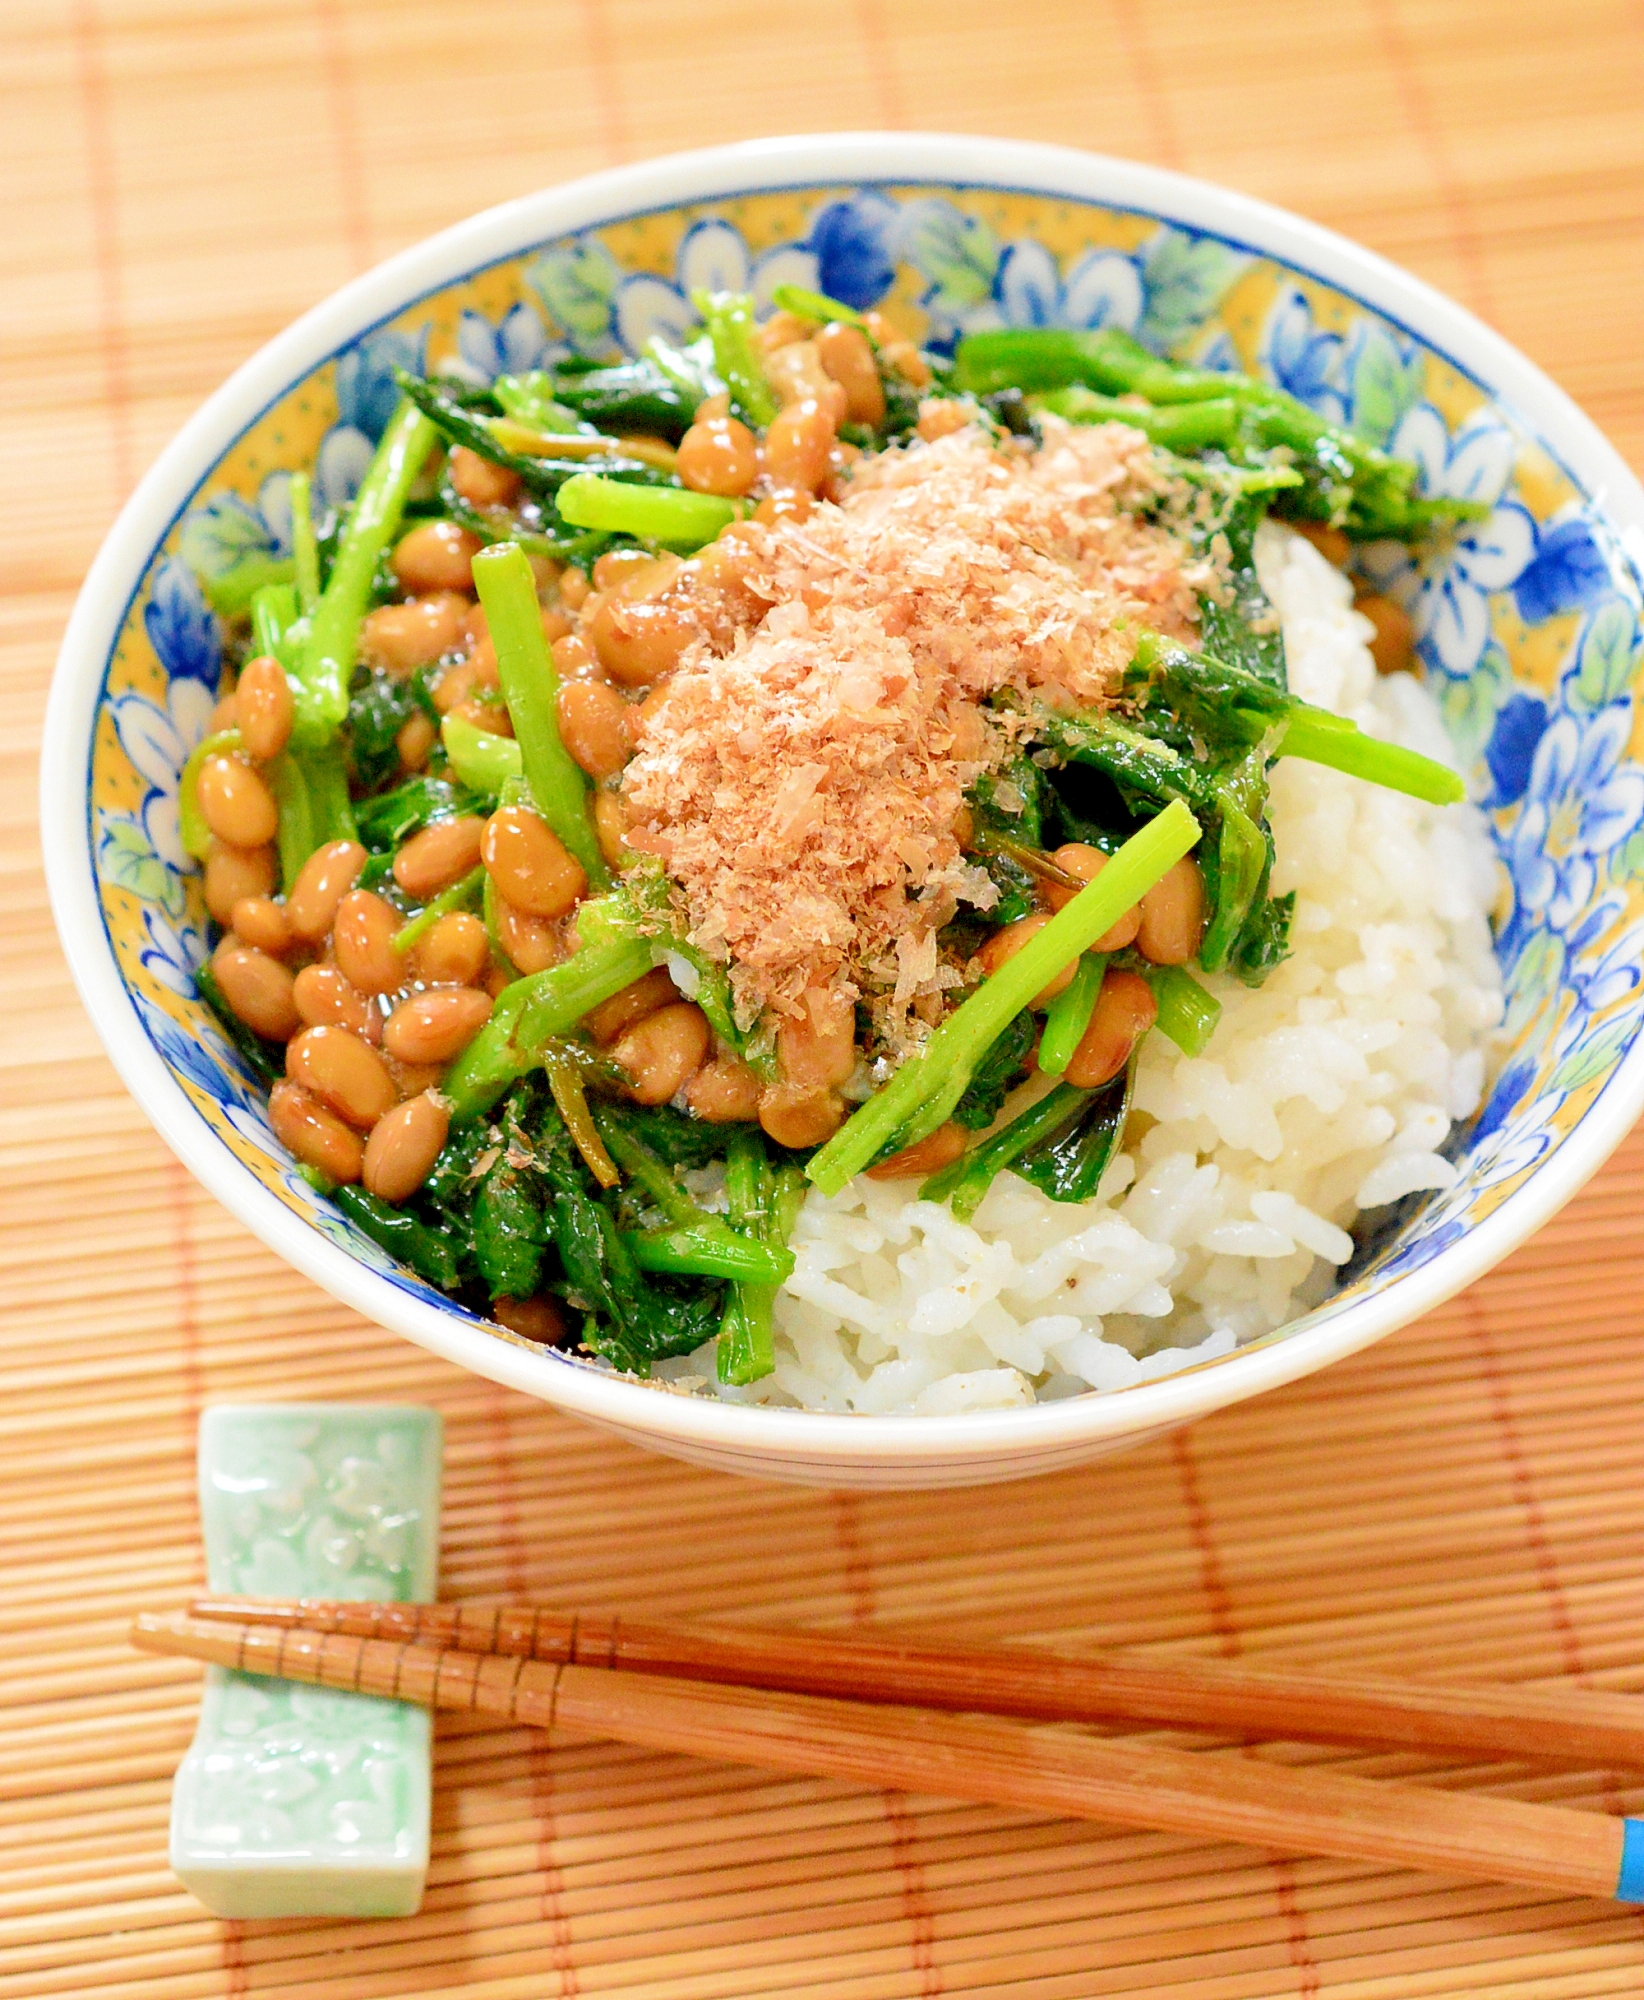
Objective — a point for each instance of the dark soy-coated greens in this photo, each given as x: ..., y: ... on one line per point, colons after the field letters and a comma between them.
x: 996, y: 1074
x: 389, y: 820
x: 429, y: 1250
x: 1068, y: 1163
x: 378, y: 709
x: 1243, y: 628
x: 1007, y: 810
x: 672, y: 1136
x: 633, y: 1319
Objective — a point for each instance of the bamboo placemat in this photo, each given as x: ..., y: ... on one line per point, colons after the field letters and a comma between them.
x: 183, y: 177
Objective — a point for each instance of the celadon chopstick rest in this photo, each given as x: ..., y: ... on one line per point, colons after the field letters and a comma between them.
x: 303, y: 1801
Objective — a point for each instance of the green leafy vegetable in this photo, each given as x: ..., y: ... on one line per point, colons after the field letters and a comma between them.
x: 429, y: 1251
x: 996, y: 1074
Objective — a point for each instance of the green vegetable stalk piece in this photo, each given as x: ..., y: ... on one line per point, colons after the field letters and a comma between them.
x: 671, y: 514
x: 729, y: 317
x: 233, y: 593
x: 1187, y: 1013
x: 273, y: 613
x: 483, y: 760
x: 710, y: 1249
x: 767, y: 1204
x: 924, y: 1090
x: 693, y: 1243
x: 191, y: 822
x: 1069, y: 1014
x: 461, y: 895
x: 1370, y: 492
x: 544, y: 1006
x: 1316, y: 735
x: 323, y: 679
x: 805, y: 304
x: 1183, y: 427
x: 305, y: 549
x: 508, y: 591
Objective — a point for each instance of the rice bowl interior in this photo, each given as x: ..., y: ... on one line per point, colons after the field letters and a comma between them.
x: 1224, y: 1261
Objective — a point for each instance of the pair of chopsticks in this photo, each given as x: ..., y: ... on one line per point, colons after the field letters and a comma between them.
x: 870, y: 1711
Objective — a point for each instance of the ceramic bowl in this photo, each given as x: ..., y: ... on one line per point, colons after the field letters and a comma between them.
x: 1529, y: 631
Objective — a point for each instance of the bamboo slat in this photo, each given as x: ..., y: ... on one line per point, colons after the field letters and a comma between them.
x: 1463, y: 1502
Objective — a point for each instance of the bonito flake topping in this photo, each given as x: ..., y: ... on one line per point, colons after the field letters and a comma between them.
x: 803, y: 788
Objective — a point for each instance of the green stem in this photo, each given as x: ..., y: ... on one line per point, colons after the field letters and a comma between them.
x: 1069, y: 1014
x: 483, y: 760
x: 296, y: 837
x: 1187, y: 1013
x: 191, y: 822
x: 730, y: 322
x: 232, y: 593
x: 709, y: 1249
x: 461, y: 895
x: 642, y: 1165
x: 328, y: 664
x: 923, y: 1091
x: 1321, y: 739
x: 668, y: 514
x: 1183, y: 427
x: 535, y: 1011
x: 508, y: 591
x: 305, y: 548
x: 805, y: 304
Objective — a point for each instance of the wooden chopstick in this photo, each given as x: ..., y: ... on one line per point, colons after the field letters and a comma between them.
x: 1562, y: 1725
x: 994, y: 1762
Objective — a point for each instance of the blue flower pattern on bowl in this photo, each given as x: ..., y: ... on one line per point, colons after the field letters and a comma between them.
x: 1550, y: 762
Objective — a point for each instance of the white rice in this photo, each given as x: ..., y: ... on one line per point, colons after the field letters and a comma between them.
x: 1328, y: 1091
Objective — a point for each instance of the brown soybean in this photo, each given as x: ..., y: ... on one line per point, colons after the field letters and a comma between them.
x: 323, y: 880
x: 403, y: 1146
x: 620, y: 566
x: 530, y: 864
x: 315, y: 1135
x: 481, y: 483
x: 436, y: 555
x: 574, y: 658
x: 266, y: 707
x: 236, y: 804
x: 235, y: 872
x: 573, y: 587
x: 541, y: 1319
x: 928, y: 1156
x: 1086, y: 863
x: 1003, y: 946
x: 485, y: 713
x: 801, y: 1117
x: 324, y: 999
x: 818, y: 1047
x: 1331, y: 543
x: 593, y: 726
x: 434, y: 1027
x: 797, y: 446
x: 1172, y: 916
x: 226, y: 715
x: 530, y: 944
x: 257, y: 988
x: 415, y: 740
x: 1393, y: 645
x: 1125, y: 1010
x: 455, y: 952
x: 724, y: 1092
x: 403, y: 637
x: 611, y: 828
x: 659, y: 1053
x: 347, y: 1075
x: 611, y: 1017
x: 720, y: 455
x: 363, y: 938
x: 438, y: 856
x: 263, y: 924
x: 638, y: 640
x: 847, y: 355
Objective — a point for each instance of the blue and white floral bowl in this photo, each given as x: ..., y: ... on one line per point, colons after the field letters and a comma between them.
x: 1529, y: 630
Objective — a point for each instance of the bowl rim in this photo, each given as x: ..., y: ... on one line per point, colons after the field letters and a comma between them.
x: 752, y: 1436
